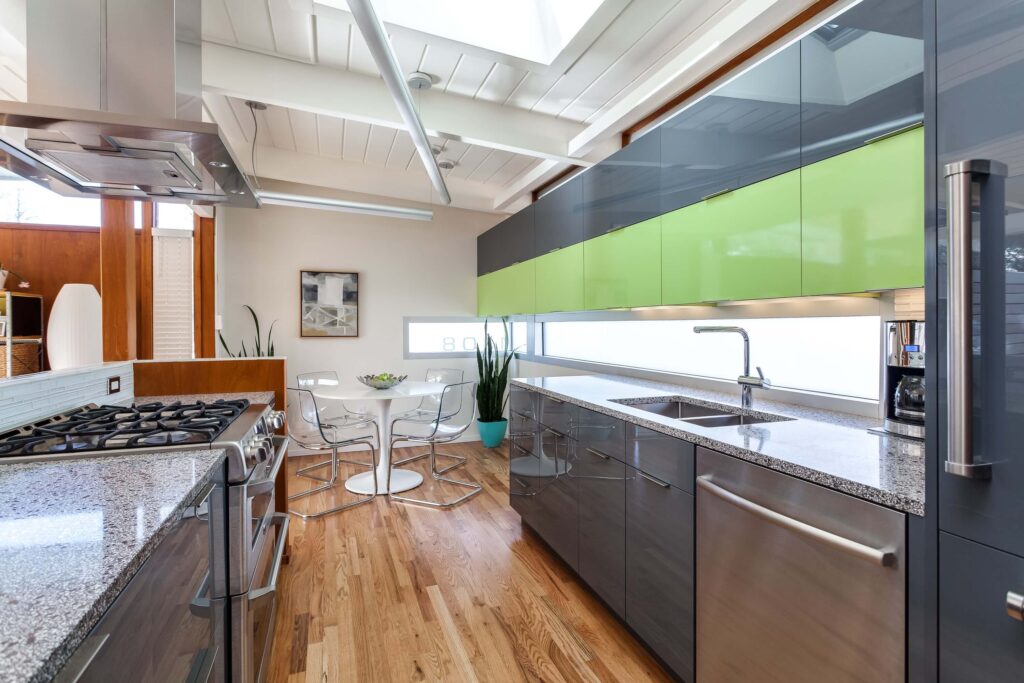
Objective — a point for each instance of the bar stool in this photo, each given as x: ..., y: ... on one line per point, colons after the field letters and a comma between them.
x: 427, y: 411
x: 308, y: 432
x: 445, y: 427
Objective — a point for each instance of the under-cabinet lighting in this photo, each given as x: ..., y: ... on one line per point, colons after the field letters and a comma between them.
x: 329, y: 204
x: 801, y: 299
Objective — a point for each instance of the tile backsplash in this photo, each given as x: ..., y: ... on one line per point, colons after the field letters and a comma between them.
x: 33, y: 397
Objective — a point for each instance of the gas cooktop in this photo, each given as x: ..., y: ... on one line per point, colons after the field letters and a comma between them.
x: 93, y: 428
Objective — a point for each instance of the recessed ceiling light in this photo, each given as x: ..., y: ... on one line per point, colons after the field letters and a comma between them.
x: 446, y: 164
x: 218, y: 164
x: 237, y: 191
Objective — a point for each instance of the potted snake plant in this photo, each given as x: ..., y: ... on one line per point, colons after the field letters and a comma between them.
x: 491, y: 397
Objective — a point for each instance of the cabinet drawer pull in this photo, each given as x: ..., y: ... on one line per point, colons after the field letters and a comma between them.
x: 554, y: 400
x: 882, y: 557
x: 552, y: 251
x: 598, y: 454
x: 615, y: 229
x: 1015, y: 605
x: 716, y: 194
x: 653, y: 480
x: 893, y: 133
x: 81, y: 659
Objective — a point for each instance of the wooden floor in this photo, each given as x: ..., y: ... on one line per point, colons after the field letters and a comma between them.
x: 391, y: 592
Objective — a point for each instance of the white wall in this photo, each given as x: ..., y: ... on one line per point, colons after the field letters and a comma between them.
x: 406, y: 268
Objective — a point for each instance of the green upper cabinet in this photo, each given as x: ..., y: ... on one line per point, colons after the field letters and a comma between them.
x: 740, y: 245
x: 623, y: 268
x: 863, y: 218
x: 509, y: 291
x: 560, y: 280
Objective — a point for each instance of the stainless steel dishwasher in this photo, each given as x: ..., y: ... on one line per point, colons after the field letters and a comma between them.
x: 795, y: 582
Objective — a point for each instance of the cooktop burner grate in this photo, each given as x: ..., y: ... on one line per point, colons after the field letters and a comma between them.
x: 112, y: 427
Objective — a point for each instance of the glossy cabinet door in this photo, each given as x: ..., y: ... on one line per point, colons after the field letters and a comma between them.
x: 509, y: 291
x: 624, y: 188
x: 544, y: 494
x: 602, y: 433
x: 488, y: 251
x: 980, y: 100
x: 863, y: 218
x: 659, y: 569
x: 602, y: 525
x: 745, y: 131
x: 558, y: 217
x: 507, y: 243
x: 623, y: 268
x: 862, y: 76
x: 560, y: 280
x: 740, y: 245
x: 662, y: 456
x: 978, y: 641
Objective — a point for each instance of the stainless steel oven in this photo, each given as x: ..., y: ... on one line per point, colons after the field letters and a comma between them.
x: 161, y: 627
x: 252, y: 613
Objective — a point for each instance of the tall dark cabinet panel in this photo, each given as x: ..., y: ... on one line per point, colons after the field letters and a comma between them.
x: 745, y: 131
x: 623, y: 189
x: 659, y: 568
x: 979, y: 92
x: 558, y: 217
x: 862, y: 76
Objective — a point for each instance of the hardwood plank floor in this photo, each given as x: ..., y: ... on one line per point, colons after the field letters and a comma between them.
x: 392, y: 592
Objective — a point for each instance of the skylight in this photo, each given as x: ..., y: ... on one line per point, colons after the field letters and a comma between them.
x: 535, y: 30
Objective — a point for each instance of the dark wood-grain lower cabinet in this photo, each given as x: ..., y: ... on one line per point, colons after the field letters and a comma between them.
x: 602, y: 525
x: 979, y: 642
x: 659, y: 569
x: 543, y: 493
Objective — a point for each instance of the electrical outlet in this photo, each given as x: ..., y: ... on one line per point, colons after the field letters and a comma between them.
x: 113, y: 385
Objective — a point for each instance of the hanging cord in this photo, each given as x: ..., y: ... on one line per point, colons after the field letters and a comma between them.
x: 255, y: 130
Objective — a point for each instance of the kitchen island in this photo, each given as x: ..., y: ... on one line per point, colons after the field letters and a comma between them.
x: 73, y: 533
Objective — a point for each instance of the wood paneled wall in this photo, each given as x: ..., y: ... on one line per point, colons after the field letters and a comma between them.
x: 50, y: 257
x: 117, y: 280
x: 204, y: 287
x: 160, y: 378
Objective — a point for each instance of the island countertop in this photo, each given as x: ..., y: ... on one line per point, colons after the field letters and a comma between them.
x: 72, y: 535
x: 833, y: 449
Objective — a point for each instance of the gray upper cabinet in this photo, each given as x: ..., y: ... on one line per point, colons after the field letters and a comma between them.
x: 623, y: 189
x: 862, y: 76
x: 558, y: 217
x: 743, y: 132
x: 507, y: 243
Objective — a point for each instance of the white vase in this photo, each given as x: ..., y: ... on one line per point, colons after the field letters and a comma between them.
x: 74, y: 335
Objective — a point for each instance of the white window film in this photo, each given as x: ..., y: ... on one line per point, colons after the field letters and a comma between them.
x: 169, y: 216
x: 23, y: 201
x: 457, y: 336
x: 832, y: 355
x: 173, y: 332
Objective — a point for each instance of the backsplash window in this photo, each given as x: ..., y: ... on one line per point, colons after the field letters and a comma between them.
x: 831, y: 355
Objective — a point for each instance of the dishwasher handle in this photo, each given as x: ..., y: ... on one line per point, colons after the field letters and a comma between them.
x: 881, y: 557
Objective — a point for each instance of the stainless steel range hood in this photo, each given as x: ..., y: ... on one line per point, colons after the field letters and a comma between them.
x: 115, y: 106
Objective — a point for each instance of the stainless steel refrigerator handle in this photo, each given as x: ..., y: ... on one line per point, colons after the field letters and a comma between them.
x: 1015, y: 605
x: 960, y: 176
x: 881, y: 557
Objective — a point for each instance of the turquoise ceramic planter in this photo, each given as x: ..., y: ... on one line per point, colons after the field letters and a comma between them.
x: 491, y: 433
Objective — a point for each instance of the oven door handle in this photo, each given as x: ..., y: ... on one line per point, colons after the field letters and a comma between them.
x: 268, y: 483
x: 256, y: 595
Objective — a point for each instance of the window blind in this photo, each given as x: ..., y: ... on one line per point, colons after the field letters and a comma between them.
x: 173, y: 332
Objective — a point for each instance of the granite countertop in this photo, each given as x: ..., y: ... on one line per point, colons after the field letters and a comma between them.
x: 72, y: 534
x: 829, y: 448
x: 252, y: 396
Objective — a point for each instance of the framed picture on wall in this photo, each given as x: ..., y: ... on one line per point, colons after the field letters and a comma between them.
x: 329, y: 304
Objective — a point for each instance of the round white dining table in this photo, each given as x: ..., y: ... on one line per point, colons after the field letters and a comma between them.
x: 401, y: 480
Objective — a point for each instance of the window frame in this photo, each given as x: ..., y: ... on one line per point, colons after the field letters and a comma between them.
x: 412, y: 319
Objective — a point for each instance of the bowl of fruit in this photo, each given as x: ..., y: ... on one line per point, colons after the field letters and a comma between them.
x: 384, y: 380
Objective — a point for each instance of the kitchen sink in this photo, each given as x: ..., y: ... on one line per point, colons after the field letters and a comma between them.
x: 701, y: 415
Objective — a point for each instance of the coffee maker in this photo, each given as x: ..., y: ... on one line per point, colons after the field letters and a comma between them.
x: 904, y: 388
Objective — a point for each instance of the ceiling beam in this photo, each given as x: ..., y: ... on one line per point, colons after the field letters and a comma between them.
x: 345, y: 94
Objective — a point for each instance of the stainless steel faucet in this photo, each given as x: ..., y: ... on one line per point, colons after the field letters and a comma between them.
x: 746, y: 381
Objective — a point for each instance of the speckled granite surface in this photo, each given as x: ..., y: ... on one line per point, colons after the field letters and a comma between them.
x: 72, y: 534
x: 252, y: 397
x: 828, y: 448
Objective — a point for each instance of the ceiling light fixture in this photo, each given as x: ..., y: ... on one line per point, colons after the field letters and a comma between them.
x: 377, y: 40
x: 345, y: 206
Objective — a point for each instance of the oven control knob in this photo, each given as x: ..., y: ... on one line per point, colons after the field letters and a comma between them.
x: 276, y: 419
x: 255, y: 451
